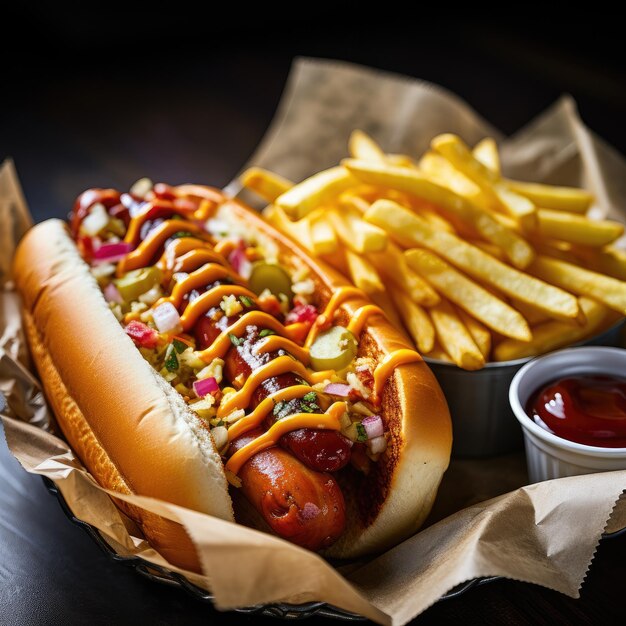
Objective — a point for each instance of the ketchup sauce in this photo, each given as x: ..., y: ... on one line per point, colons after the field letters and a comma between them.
x: 585, y: 409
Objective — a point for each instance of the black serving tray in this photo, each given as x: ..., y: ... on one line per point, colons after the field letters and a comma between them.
x: 279, y: 610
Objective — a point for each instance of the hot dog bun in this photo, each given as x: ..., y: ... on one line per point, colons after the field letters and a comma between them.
x: 135, y: 433
x: 132, y: 431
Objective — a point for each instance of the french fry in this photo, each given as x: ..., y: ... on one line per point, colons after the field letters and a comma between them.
x: 583, y: 282
x: 323, y: 237
x: 507, y: 221
x: 468, y: 295
x: 444, y: 173
x: 495, y: 268
x: 319, y: 189
x: 299, y: 231
x: 397, y: 196
x: 489, y: 248
x: 411, y: 231
x: 362, y: 146
x: 414, y: 182
x: 393, y: 266
x: 438, y: 354
x: 416, y: 320
x: 436, y: 220
x: 452, y: 148
x: 577, y: 229
x: 265, y: 183
x: 612, y: 261
x: 425, y: 209
x: 486, y: 151
x: 358, y: 235
x: 350, y: 200
x: 566, y: 252
x: 455, y: 338
x: 530, y: 312
x: 551, y: 197
x: 401, y: 160
x: 479, y: 333
x: 553, y: 334
x: 363, y: 274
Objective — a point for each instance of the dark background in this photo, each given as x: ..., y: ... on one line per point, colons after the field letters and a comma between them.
x: 103, y: 98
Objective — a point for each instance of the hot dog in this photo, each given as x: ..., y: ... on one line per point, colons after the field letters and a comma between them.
x: 302, y: 505
x: 297, y: 503
x: 252, y: 363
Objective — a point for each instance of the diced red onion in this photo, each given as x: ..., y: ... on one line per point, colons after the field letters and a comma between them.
x: 373, y: 425
x: 338, y: 389
x: 166, y: 317
x: 378, y: 444
x: 304, y: 313
x: 111, y: 252
x: 142, y: 334
x: 238, y: 259
x: 111, y: 294
x: 205, y: 386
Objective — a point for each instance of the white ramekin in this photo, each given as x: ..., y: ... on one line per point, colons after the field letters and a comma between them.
x: 547, y: 455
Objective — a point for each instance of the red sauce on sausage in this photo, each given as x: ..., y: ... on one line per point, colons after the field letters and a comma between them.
x: 585, y: 409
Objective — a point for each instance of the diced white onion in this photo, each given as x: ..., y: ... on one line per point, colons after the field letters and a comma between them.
x: 166, y: 317
x: 141, y: 187
x: 103, y: 270
x: 151, y: 296
x: 220, y: 436
x: 213, y: 370
x: 235, y: 416
x: 218, y: 227
x: 355, y: 383
x: 97, y: 220
x: 378, y: 444
x: 304, y: 287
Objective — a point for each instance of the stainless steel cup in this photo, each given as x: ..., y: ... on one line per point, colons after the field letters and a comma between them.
x: 483, y: 423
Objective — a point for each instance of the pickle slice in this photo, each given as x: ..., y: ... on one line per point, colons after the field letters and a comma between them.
x: 268, y: 276
x: 333, y: 349
x: 137, y: 282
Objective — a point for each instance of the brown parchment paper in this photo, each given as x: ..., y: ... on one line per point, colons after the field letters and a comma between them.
x: 485, y: 521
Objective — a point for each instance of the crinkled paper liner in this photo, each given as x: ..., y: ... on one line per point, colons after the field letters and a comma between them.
x: 485, y: 521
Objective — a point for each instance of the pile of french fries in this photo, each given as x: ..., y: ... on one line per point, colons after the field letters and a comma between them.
x: 475, y: 266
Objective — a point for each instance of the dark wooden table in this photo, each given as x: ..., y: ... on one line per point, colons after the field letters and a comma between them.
x: 104, y: 103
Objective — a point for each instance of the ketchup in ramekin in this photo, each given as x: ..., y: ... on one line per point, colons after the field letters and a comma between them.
x: 590, y: 410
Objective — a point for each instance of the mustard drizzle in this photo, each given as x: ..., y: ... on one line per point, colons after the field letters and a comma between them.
x: 188, y: 252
